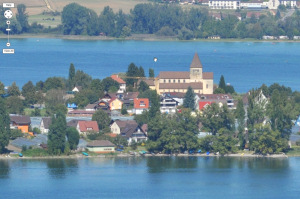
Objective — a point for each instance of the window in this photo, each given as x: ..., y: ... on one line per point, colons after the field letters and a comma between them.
x: 206, y: 85
x: 169, y: 81
x: 179, y: 81
x: 164, y: 81
x: 173, y: 80
x: 184, y: 81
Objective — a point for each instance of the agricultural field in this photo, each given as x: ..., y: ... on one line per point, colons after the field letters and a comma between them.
x: 35, y: 8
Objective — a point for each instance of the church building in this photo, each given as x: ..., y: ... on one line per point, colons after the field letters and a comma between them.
x: 173, y: 81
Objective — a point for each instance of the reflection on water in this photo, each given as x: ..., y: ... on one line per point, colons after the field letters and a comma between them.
x: 57, y: 168
x: 4, y: 169
x: 162, y: 164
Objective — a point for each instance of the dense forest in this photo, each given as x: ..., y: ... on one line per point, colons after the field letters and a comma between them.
x: 162, y: 20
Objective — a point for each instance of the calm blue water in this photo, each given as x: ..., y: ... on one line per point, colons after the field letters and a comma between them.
x: 153, y: 177
x: 245, y: 65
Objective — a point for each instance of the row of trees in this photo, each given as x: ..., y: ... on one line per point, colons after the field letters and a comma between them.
x: 173, y: 20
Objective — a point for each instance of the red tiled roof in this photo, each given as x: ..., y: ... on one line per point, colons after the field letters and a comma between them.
x: 196, y: 63
x: 208, y: 75
x: 86, y: 126
x: 174, y: 75
x: 204, y: 104
x: 194, y: 85
x: 20, y: 119
x: 117, y: 79
x: 141, y: 103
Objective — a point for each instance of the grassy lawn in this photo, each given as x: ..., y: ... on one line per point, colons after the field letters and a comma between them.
x: 45, y: 20
x: 28, y: 111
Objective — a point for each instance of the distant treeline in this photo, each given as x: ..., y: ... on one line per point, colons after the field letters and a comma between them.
x: 173, y: 20
x: 162, y: 20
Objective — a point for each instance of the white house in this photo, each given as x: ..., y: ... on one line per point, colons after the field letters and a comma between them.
x: 121, y: 82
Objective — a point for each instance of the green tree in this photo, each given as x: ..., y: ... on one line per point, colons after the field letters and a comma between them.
x: 2, y: 91
x: 107, y: 21
x: 102, y: 119
x: 73, y: 137
x: 222, y: 84
x: 219, y: 91
x: 15, y: 105
x: 13, y: 90
x: 240, y: 116
x: 54, y: 83
x: 151, y: 72
x: 266, y: 141
x: 22, y: 17
x: 71, y: 76
x: 132, y: 71
x: 224, y: 143
x: 54, y: 99
x: 4, y: 126
x: 154, y: 99
x: 29, y: 92
x: 109, y: 84
x: 189, y: 99
x: 206, y: 142
x: 143, y: 86
x: 57, y: 134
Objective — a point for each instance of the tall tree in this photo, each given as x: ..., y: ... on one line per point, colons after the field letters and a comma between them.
x: 4, y: 126
x: 107, y: 21
x: 132, y: 71
x: 13, y: 90
x: 143, y: 86
x: 222, y: 84
x: 71, y: 76
x: 82, y: 79
x: 22, y: 17
x: 189, y: 99
x: 28, y: 91
x: 57, y: 134
x: 2, y: 91
x: 15, y: 105
x: 151, y: 72
x: 102, y: 119
x: 73, y: 137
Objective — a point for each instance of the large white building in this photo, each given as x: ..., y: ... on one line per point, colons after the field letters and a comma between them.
x: 254, y: 4
x: 224, y: 4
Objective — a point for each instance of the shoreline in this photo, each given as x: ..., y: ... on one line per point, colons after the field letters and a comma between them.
x: 80, y: 156
x: 135, y: 37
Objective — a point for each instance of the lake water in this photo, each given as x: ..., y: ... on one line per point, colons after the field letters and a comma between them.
x: 152, y: 177
x: 245, y: 65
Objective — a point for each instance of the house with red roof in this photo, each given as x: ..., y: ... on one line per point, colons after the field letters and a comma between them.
x: 121, y: 82
x: 140, y: 105
x: 85, y: 127
x: 204, y: 104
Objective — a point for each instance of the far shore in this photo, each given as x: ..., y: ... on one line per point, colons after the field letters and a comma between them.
x: 135, y: 37
x: 120, y: 155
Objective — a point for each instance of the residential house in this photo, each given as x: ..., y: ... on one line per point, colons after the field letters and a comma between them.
x: 102, y: 104
x: 130, y: 130
x: 72, y: 123
x: 133, y: 132
x: 204, y: 104
x: 85, y: 127
x: 219, y: 99
x: 118, y: 125
x: 179, y: 97
x: 128, y: 99
x: 168, y: 104
x: 174, y: 81
x: 101, y: 146
x: 140, y: 105
x: 115, y: 104
x: 45, y: 124
x: 224, y: 4
x: 122, y: 83
x: 20, y: 122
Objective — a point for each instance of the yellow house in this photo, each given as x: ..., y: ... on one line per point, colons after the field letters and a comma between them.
x: 115, y: 104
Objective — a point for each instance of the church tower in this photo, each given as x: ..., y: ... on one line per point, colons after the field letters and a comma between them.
x: 196, y: 70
